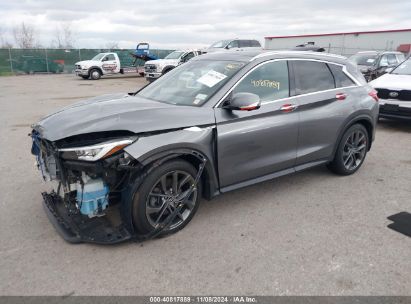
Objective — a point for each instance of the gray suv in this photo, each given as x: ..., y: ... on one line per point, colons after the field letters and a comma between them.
x: 134, y: 166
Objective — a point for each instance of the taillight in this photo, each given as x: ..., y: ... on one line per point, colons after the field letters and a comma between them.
x: 374, y: 95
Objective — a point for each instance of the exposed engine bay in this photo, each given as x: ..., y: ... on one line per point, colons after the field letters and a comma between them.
x: 92, y: 186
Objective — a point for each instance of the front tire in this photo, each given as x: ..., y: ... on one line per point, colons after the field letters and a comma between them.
x: 160, y: 192
x: 95, y: 74
x: 351, y: 151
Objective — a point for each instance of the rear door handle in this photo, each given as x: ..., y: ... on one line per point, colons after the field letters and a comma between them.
x: 288, y: 107
x: 341, y: 96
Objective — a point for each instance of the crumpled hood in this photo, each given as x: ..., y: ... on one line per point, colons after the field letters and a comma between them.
x: 120, y: 112
x: 88, y: 63
x: 393, y: 82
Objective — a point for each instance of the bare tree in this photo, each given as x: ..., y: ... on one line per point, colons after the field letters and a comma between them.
x: 64, y: 37
x: 25, y: 36
x: 112, y: 45
x: 4, y: 43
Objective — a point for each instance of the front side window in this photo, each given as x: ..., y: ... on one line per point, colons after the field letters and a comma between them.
x: 233, y: 44
x: 174, y: 55
x: 312, y: 76
x: 220, y: 44
x: 384, y: 61
x: 192, y: 83
x: 341, y: 79
x: 109, y: 57
x: 269, y: 81
x: 98, y: 57
x: 392, y: 59
x: 187, y: 57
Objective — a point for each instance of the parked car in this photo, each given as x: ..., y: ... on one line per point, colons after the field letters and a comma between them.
x: 34, y: 64
x: 153, y: 69
x: 309, y: 46
x: 234, y: 45
x: 373, y: 64
x: 394, y: 91
x: 220, y: 122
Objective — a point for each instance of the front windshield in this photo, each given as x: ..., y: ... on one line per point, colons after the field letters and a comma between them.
x: 193, y: 83
x: 220, y: 44
x: 364, y: 59
x: 98, y: 57
x: 174, y: 55
x: 403, y: 69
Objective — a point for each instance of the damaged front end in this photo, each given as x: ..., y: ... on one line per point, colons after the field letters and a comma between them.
x: 89, y: 182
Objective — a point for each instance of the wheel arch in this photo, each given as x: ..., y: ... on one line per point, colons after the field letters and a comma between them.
x: 95, y: 68
x: 167, y: 68
x: 194, y: 157
x: 363, y: 119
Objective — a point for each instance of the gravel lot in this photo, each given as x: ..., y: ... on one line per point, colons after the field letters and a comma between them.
x: 311, y: 233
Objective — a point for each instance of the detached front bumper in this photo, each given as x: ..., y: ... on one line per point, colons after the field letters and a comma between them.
x: 77, y: 228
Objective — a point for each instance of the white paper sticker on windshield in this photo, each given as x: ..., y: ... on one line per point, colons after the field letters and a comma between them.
x: 211, y: 78
x: 370, y: 60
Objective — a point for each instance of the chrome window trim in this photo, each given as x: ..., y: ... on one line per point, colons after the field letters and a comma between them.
x: 344, y: 69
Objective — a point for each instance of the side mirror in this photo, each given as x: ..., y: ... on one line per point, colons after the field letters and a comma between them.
x: 243, y: 102
x: 388, y: 70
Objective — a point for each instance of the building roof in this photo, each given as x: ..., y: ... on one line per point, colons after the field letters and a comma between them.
x: 339, y: 34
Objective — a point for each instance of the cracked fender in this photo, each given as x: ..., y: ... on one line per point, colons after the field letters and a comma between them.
x: 184, y: 142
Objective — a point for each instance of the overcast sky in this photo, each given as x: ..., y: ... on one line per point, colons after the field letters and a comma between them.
x: 184, y: 23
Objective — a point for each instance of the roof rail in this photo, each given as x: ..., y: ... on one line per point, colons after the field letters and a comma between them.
x: 296, y: 52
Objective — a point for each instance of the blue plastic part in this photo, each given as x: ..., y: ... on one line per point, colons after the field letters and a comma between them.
x: 91, y: 202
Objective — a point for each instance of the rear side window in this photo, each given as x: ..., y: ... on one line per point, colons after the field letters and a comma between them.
x: 245, y: 43
x: 269, y: 81
x: 255, y: 43
x: 400, y: 57
x: 312, y: 76
x: 341, y: 79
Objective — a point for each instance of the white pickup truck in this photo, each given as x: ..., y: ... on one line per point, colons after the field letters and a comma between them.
x: 153, y: 69
x: 106, y: 63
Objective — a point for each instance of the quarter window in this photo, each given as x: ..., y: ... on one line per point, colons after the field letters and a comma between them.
x: 269, y: 81
x: 341, y: 79
x: 312, y: 76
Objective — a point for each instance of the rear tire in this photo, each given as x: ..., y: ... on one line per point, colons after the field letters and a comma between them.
x: 156, y: 194
x: 95, y: 74
x: 351, y: 151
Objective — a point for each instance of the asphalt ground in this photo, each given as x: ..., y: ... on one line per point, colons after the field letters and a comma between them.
x: 311, y: 233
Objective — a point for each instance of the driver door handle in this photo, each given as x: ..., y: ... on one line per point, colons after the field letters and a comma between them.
x: 288, y: 107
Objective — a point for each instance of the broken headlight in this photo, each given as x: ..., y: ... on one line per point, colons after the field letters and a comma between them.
x: 96, y: 152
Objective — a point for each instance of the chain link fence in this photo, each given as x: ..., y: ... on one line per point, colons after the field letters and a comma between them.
x: 29, y: 61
